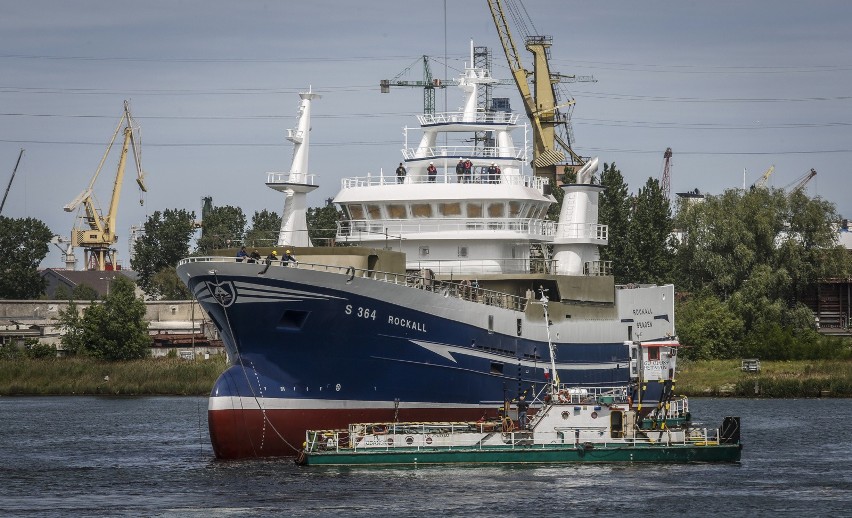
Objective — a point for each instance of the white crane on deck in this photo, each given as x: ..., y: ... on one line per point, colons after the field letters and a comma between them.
x: 94, y: 231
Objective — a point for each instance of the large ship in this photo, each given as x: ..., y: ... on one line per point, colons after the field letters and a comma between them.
x: 423, y: 308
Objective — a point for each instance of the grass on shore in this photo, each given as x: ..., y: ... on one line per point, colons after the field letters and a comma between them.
x: 777, y: 379
x: 86, y: 376
x: 175, y: 376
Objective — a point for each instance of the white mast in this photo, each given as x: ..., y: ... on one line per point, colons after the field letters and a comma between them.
x: 297, y: 183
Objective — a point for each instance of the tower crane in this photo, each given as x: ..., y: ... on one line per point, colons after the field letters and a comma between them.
x: 94, y: 231
x: 543, y: 106
x: 666, y: 183
x: 428, y: 84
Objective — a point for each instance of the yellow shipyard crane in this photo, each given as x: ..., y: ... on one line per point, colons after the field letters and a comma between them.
x: 95, y: 231
x: 541, y: 101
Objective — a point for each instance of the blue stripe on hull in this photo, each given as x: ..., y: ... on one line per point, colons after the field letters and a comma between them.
x: 320, y: 347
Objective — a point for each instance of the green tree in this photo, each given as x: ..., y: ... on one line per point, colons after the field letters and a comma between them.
x: 223, y: 227
x: 708, y: 328
x: 24, y: 242
x: 165, y: 242
x: 116, y: 329
x: 84, y: 292
x: 71, y: 327
x: 614, y: 211
x: 322, y: 223
x: 648, y: 248
x: 61, y: 293
x: 168, y: 286
x: 265, y: 226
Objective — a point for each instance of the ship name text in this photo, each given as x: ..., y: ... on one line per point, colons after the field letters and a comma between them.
x: 408, y: 324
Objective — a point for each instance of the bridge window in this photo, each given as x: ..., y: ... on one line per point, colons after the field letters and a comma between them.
x: 515, y: 209
x: 397, y: 211
x: 356, y: 211
x: 474, y: 210
x: 450, y: 209
x: 421, y: 210
x: 374, y: 211
x: 496, y: 210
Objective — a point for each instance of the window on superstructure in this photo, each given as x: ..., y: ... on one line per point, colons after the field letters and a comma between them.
x: 450, y: 209
x: 397, y: 211
x: 356, y: 211
x: 421, y: 210
x: 496, y: 210
x: 653, y: 353
x: 515, y: 208
x: 474, y: 210
x: 374, y: 211
x: 424, y: 251
x: 462, y: 251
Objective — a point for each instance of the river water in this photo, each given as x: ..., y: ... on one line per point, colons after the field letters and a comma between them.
x: 150, y: 456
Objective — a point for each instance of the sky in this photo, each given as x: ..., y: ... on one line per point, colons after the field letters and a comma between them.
x: 732, y: 87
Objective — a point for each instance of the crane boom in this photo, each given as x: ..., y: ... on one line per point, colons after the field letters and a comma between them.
x: 96, y: 232
x: 542, y: 104
x: 803, y: 181
x: 761, y: 182
x: 15, y: 170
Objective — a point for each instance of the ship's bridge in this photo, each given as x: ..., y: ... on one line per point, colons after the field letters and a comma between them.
x: 464, y: 120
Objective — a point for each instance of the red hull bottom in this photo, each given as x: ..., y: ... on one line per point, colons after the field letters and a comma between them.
x: 245, y: 433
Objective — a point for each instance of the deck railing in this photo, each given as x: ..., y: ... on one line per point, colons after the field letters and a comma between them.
x: 423, y: 280
x: 450, y: 177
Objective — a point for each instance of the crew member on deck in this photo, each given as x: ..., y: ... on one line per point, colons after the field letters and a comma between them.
x: 460, y: 171
x: 432, y: 172
x: 400, y: 173
x: 523, y: 405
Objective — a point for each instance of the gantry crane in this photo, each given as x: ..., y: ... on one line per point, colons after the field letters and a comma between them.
x: 542, y: 106
x: 94, y: 231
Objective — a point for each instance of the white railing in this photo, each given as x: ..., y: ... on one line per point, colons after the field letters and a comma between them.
x: 423, y: 280
x: 473, y: 152
x: 428, y: 119
x: 373, y: 229
x: 582, y: 231
x: 531, y: 182
x: 597, y: 268
x: 300, y: 178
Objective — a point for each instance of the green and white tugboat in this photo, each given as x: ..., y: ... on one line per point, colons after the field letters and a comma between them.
x: 566, y: 424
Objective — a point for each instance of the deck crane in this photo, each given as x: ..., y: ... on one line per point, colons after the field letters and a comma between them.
x: 801, y: 182
x: 761, y: 182
x: 94, y: 231
x: 543, y: 107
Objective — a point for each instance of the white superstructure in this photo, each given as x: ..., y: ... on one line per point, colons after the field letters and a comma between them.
x: 487, y: 223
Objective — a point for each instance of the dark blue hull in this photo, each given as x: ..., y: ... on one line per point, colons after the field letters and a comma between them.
x: 308, y: 354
